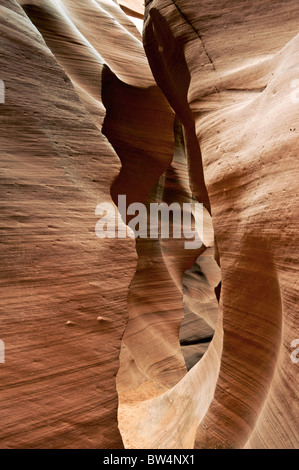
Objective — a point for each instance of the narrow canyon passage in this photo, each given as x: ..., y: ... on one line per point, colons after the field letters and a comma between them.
x: 139, y: 342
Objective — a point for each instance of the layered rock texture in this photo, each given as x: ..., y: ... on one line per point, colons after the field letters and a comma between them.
x: 62, y: 315
x: 113, y: 342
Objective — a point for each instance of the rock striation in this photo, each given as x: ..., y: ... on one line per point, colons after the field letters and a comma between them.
x: 143, y: 343
x: 228, y: 71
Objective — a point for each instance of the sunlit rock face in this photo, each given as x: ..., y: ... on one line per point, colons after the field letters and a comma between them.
x: 229, y: 71
x: 64, y: 292
x: 200, y: 307
x: 143, y: 343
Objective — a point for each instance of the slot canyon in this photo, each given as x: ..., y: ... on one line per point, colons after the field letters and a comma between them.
x: 136, y: 342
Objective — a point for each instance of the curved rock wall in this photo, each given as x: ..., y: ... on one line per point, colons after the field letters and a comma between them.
x: 62, y: 319
x: 233, y: 90
x: 205, y: 109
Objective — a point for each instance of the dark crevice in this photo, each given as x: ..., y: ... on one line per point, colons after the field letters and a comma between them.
x: 207, y: 339
x: 196, y: 32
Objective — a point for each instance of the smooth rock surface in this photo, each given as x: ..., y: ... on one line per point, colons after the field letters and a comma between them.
x: 112, y: 342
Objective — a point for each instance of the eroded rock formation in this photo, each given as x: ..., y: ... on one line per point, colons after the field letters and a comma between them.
x: 234, y: 92
x: 62, y: 318
x: 203, y: 110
